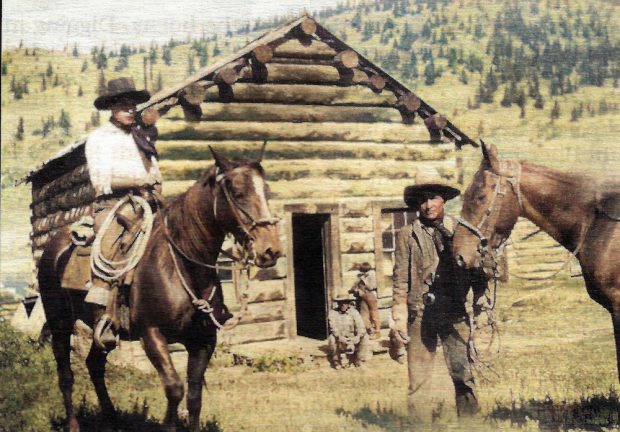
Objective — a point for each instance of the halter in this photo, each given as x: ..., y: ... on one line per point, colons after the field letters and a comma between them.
x: 201, y: 304
x: 513, y: 179
x: 237, y: 209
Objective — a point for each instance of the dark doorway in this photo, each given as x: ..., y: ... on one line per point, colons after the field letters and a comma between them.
x: 309, y: 234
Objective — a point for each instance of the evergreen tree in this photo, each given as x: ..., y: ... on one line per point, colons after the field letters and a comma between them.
x: 64, y: 122
x: 56, y: 82
x: 101, y: 85
x: 166, y: 55
x: 191, y: 68
x: 519, y: 99
x: 160, y: 82
x: 153, y: 54
x: 5, y: 68
x: 50, y: 70
x: 102, y: 60
x: 84, y: 66
x: 539, y: 102
x: 430, y: 74
x: 75, y: 52
x: 463, y: 77
x: 80, y: 91
x: 19, y: 135
x: 555, y: 111
x: 216, y: 50
x: 43, y: 83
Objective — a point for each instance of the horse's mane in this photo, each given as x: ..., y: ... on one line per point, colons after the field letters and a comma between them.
x: 179, y: 211
x: 572, y: 183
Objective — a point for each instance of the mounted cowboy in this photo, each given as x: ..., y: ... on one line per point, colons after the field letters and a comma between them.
x: 122, y: 162
x: 430, y: 293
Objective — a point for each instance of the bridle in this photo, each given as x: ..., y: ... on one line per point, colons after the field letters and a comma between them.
x: 510, y: 173
x: 222, y: 181
x: 238, y: 211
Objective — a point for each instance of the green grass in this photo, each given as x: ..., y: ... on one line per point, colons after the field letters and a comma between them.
x: 556, y: 372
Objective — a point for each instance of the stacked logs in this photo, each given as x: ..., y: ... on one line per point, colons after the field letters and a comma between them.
x: 59, y: 202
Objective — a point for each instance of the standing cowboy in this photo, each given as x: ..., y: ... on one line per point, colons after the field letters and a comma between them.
x: 347, y: 334
x: 365, y: 291
x: 121, y: 160
x: 429, y: 297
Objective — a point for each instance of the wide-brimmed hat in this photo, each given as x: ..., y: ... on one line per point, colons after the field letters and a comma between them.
x: 344, y: 298
x: 428, y: 181
x: 121, y: 88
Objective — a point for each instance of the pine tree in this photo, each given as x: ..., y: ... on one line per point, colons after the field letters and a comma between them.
x: 19, y: 135
x: 463, y: 77
x: 56, y: 82
x: 166, y: 55
x: 539, y: 102
x: 519, y: 99
x: 75, y: 52
x: 5, y: 68
x: 555, y: 111
x: 50, y: 70
x: 80, y: 91
x: 64, y: 122
x: 160, y: 82
x: 84, y: 66
x: 101, y: 85
x: 190, y: 64
x: 101, y: 60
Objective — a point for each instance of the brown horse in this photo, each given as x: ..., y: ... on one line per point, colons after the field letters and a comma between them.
x: 575, y: 210
x: 230, y: 197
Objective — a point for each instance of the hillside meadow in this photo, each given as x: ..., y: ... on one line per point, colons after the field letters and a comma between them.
x: 556, y: 369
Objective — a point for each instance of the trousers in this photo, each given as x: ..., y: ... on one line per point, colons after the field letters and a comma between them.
x: 450, y: 328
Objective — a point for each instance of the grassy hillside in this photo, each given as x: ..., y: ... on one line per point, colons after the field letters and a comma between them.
x: 452, y: 52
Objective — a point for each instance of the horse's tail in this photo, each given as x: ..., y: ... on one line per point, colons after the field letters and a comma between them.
x: 56, y: 301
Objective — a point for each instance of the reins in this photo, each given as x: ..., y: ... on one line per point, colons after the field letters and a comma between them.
x: 204, y: 305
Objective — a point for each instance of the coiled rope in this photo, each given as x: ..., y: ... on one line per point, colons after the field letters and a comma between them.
x: 108, y: 269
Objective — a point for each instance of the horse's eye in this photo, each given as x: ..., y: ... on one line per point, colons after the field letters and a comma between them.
x: 484, y: 242
x: 481, y: 197
x: 238, y: 194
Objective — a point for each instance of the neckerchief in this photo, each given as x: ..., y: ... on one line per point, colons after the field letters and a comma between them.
x: 144, y: 136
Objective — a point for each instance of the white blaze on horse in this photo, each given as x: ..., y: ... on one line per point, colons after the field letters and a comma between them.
x: 581, y: 214
x: 175, y: 295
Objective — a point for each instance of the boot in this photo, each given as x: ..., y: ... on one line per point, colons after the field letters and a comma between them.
x: 104, y: 336
x: 466, y: 402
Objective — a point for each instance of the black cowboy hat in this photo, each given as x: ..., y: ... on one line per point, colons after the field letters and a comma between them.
x: 428, y: 183
x: 118, y: 89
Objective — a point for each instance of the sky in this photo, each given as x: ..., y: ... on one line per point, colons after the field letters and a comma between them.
x: 54, y: 24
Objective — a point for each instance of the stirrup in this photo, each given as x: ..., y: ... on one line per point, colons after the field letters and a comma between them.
x: 103, y: 334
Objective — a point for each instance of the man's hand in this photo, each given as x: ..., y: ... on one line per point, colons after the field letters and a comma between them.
x: 397, y: 349
x: 400, y: 316
x: 150, y: 116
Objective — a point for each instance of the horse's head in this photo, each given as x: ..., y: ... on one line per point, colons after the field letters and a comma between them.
x: 491, y: 207
x: 241, y: 208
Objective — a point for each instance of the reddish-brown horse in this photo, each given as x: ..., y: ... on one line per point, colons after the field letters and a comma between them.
x: 229, y: 198
x: 578, y: 212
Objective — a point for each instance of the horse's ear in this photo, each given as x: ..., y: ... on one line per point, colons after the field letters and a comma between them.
x: 220, y: 161
x: 262, y: 152
x: 490, y: 155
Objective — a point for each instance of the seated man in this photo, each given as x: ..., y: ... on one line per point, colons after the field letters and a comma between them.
x: 348, y: 339
x: 121, y: 159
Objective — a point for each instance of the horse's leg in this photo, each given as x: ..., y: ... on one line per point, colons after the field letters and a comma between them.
x: 156, y: 348
x: 615, y: 318
x: 95, y: 362
x: 61, y: 346
x: 198, y: 360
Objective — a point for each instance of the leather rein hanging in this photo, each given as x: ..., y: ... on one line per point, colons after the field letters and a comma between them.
x: 202, y: 304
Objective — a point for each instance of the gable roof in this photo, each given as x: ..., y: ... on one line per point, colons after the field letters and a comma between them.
x: 304, y: 27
